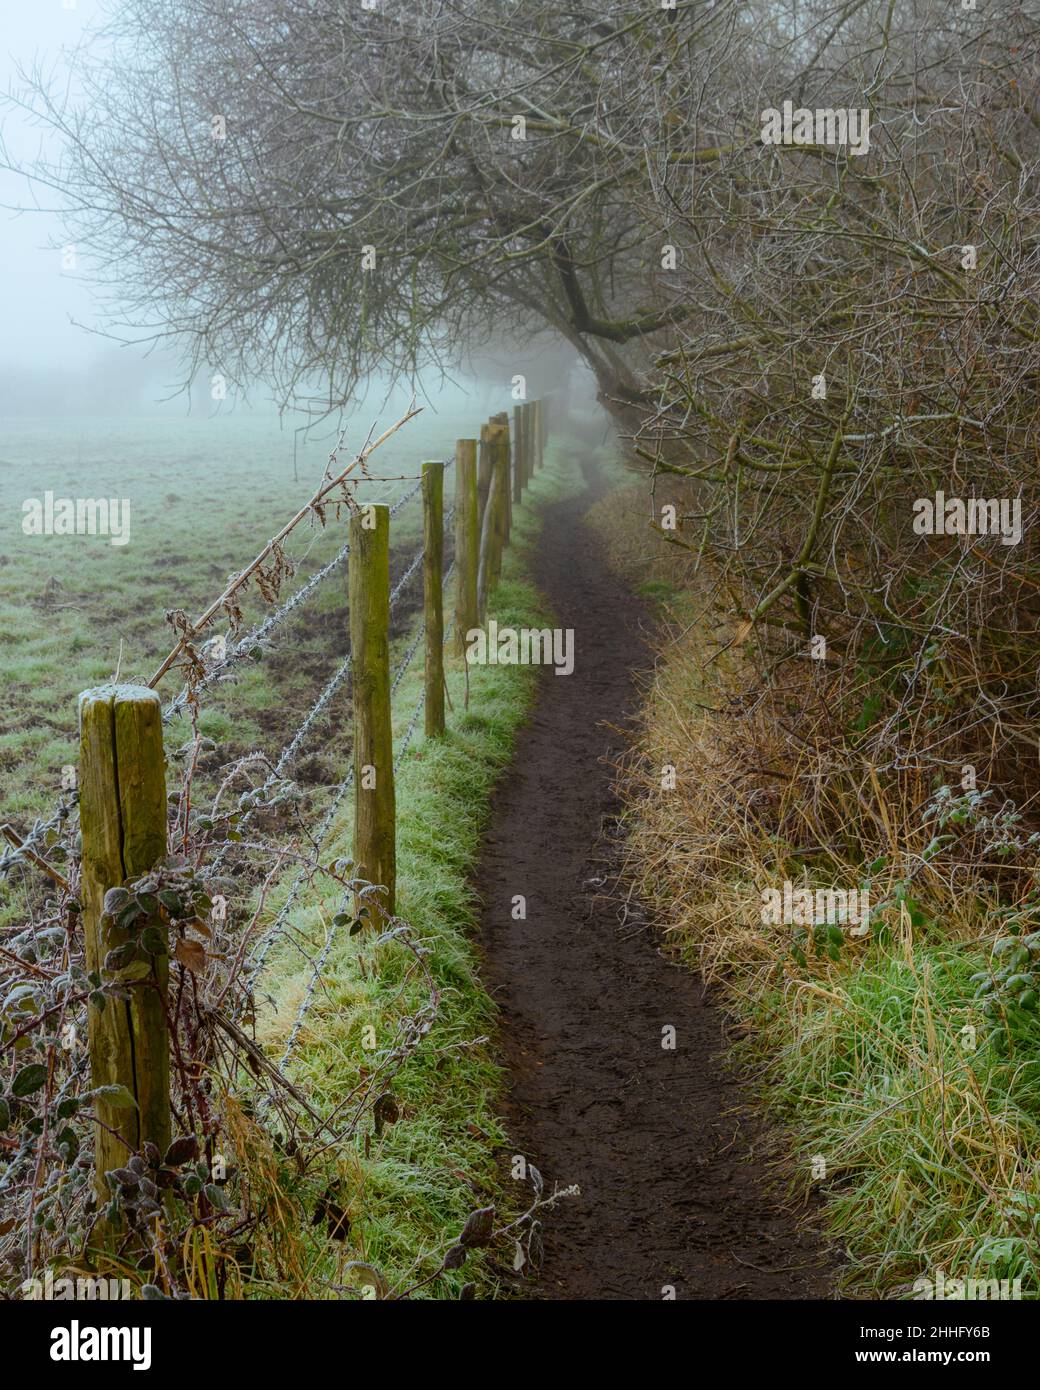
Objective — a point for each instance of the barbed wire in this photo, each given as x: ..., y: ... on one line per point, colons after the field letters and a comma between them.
x: 254, y: 965
x: 64, y: 814
x: 321, y: 703
x: 323, y: 829
x: 246, y: 645
x: 402, y: 583
x: 35, y: 841
x: 318, y: 964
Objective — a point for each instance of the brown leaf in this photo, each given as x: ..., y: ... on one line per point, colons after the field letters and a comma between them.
x: 191, y: 955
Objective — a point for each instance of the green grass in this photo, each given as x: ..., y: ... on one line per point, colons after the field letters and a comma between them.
x: 408, y: 1190
x: 929, y: 1136
x: 411, y: 1194
x: 895, y: 1107
x: 205, y: 495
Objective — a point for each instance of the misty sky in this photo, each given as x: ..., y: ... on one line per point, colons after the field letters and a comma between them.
x: 49, y: 362
x: 37, y: 297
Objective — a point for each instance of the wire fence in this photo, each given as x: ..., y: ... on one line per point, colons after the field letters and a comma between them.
x: 63, y: 958
x: 61, y: 822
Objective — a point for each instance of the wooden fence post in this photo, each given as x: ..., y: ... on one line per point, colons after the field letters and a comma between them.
x: 485, y: 562
x: 539, y: 433
x: 484, y: 472
x: 122, y: 801
x: 500, y: 493
x: 467, y: 541
x: 519, y: 476
x: 502, y: 420
x: 433, y: 596
x: 369, y: 597
x: 530, y: 439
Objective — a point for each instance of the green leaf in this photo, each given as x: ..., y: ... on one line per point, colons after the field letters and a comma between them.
x: 115, y: 900
x: 68, y: 1144
x: 136, y: 970
x: 121, y: 957
x: 128, y: 917
x: 118, y: 1097
x: 154, y: 941
x: 216, y: 1196
x: 29, y: 1079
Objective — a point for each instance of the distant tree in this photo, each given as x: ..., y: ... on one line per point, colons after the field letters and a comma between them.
x: 311, y: 187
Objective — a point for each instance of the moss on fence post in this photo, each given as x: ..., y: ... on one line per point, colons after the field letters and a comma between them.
x: 369, y: 597
x: 433, y: 596
x: 123, y: 824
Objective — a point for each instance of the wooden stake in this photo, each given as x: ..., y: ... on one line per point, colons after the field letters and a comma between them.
x: 369, y: 597
x: 467, y: 541
x: 122, y: 802
x: 530, y: 438
x: 485, y: 563
x: 433, y: 598
x: 502, y: 420
x: 519, y: 478
x: 500, y: 494
x: 484, y: 473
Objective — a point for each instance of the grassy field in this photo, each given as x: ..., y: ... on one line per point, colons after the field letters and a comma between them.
x: 408, y: 1186
x: 204, y: 496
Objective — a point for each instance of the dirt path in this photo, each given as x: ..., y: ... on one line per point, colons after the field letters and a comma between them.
x: 673, y: 1191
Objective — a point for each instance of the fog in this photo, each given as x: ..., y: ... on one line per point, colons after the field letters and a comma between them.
x: 57, y: 357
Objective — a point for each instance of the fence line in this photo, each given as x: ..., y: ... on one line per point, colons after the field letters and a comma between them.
x: 115, y: 841
x: 333, y: 930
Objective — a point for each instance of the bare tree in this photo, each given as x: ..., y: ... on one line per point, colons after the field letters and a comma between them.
x: 308, y: 189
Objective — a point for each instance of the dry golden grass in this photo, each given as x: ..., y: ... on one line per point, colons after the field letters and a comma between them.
x: 929, y: 1143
